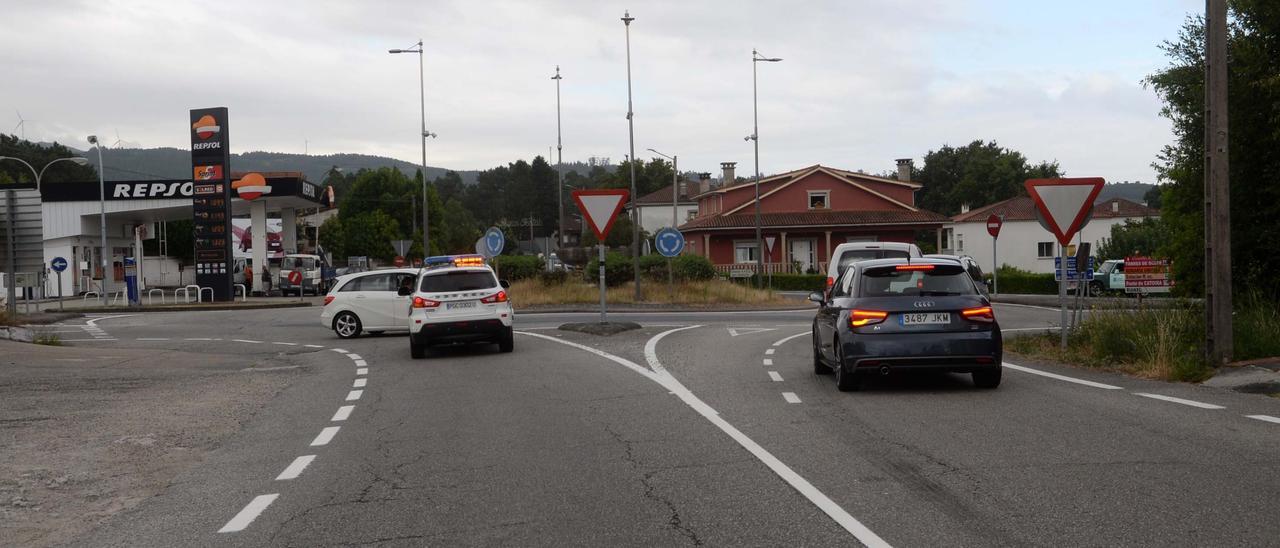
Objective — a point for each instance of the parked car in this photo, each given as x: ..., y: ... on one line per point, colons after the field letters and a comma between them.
x: 368, y: 301
x: 849, y: 253
x: 889, y: 315
x: 1108, y: 278
x: 970, y: 265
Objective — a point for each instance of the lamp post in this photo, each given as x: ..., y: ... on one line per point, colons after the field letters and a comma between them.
x: 422, y: 98
x: 102, y: 209
x: 756, y: 57
x: 631, y: 128
x: 675, y: 197
x: 11, y: 260
x: 559, y: 166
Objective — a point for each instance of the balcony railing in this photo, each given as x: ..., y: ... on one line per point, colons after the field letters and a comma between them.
x: 749, y: 269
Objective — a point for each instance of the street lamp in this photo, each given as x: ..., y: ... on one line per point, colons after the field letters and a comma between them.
x: 559, y: 161
x: 11, y: 261
x: 102, y: 215
x: 631, y: 128
x: 756, y: 57
x: 422, y: 97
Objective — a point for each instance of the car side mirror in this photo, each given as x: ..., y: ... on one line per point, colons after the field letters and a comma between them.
x: 816, y: 297
x: 505, y: 284
x: 404, y: 291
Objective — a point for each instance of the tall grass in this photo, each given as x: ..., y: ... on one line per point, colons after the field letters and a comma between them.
x: 705, y: 293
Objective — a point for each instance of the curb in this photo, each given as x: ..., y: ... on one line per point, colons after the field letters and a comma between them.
x: 17, y: 334
x: 196, y: 308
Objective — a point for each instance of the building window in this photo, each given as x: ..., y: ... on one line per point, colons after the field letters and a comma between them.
x: 1044, y: 250
x: 691, y: 214
x: 819, y: 199
x: 959, y: 242
x: 745, y: 252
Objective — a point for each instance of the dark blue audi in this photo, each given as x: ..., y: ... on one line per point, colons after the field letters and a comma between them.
x: 889, y: 315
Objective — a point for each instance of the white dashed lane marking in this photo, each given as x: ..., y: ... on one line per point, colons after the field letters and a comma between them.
x: 285, y: 343
x: 359, y: 383
x: 1192, y: 403
x: 1060, y: 377
x: 295, y: 469
x: 312, y: 346
x: 361, y: 363
x: 791, y: 397
x: 354, y: 395
x: 338, y: 350
x: 246, y: 341
x: 249, y: 513
x: 775, y: 376
x: 325, y: 436
x: 343, y: 413
x: 355, y: 357
x: 768, y: 361
x: 769, y: 352
x: 1265, y: 418
x: 362, y: 371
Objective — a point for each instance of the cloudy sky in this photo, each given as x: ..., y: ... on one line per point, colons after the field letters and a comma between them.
x: 862, y: 82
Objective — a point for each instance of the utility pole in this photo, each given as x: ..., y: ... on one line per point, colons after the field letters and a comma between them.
x: 631, y: 127
x: 559, y: 165
x: 1217, y: 205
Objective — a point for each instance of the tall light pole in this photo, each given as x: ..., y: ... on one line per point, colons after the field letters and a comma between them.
x: 631, y: 128
x: 559, y: 167
x: 756, y: 57
x: 102, y: 209
x: 675, y: 197
x: 11, y: 260
x: 422, y: 98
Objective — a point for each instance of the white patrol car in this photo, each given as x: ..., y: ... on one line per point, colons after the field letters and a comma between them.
x: 458, y: 299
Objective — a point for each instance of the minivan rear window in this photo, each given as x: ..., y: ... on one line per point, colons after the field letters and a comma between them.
x: 855, y: 255
x: 458, y: 280
x: 942, y: 280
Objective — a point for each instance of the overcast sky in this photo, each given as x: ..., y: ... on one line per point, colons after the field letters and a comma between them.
x: 862, y: 81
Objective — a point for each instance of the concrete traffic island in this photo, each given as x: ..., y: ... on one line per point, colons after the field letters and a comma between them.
x: 1251, y: 377
x: 600, y: 328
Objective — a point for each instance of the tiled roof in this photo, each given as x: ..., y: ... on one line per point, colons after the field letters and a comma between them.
x: 663, y: 195
x: 816, y: 219
x: 1023, y: 208
x: 790, y: 176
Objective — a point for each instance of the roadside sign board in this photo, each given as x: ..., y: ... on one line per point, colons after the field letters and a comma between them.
x: 669, y: 242
x: 211, y: 200
x: 768, y: 243
x: 494, y: 242
x: 295, y: 277
x: 601, y: 208
x: 401, y: 247
x: 994, y: 222
x: 1073, y: 273
x: 1146, y: 275
x: 58, y: 264
x: 1065, y: 204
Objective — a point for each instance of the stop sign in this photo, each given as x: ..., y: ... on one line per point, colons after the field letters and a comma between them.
x: 993, y: 225
x: 399, y: 261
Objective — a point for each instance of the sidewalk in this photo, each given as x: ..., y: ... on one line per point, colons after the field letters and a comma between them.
x: 80, y: 304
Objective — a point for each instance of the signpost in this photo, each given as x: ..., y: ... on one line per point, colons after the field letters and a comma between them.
x: 211, y: 200
x: 1065, y: 206
x: 1143, y: 275
x: 768, y: 245
x: 58, y: 264
x: 994, y: 222
x: 600, y: 208
x: 402, y: 249
x: 494, y: 242
x: 670, y: 242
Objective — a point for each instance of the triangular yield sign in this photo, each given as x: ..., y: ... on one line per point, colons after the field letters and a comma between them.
x: 1065, y: 203
x: 601, y: 208
x: 736, y: 331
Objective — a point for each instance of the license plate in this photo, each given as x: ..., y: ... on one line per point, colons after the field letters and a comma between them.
x: 457, y: 305
x: 926, y: 318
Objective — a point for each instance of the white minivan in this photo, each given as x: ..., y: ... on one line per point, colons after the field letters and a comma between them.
x: 852, y: 252
x: 368, y: 301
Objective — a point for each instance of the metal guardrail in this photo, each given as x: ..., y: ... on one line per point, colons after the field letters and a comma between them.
x: 186, y: 293
x: 244, y: 293
x: 200, y: 294
x: 152, y: 291
x: 95, y: 294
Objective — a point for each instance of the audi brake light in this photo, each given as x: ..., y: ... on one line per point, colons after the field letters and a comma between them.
x: 859, y: 318
x: 982, y: 314
x: 499, y: 297
x: 328, y: 299
x: 914, y: 267
x: 419, y: 302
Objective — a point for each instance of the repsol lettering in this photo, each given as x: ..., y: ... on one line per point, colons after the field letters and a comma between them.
x: 206, y: 146
x: 152, y: 190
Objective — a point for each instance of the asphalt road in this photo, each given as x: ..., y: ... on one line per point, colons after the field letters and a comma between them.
x: 701, y: 428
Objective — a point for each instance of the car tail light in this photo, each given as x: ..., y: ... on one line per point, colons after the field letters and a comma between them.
x: 859, y: 318
x: 830, y: 282
x: 499, y: 297
x: 419, y: 302
x: 914, y: 267
x: 328, y: 299
x: 981, y: 314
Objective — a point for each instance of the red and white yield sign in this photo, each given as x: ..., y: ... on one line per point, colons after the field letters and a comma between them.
x: 993, y: 225
x: 601, y: 208
x: 1065, y: 204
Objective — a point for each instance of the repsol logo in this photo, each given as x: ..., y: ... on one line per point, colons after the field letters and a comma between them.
x: 152, y: 190
x: 206, y: 146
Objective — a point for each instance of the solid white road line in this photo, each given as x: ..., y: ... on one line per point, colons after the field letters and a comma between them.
x: 249, y: 513
x: 1192, y: 403
x: 246, y: 341
x: 343, y: 413
x: 359, y: 383
x: 651, y: 348
x: 768, y: 361
x: 775, y: 376
x: 801, y: 485
x: 198, y: 339
x: 152, y: 338
x: 362, y: 371
x: 338, y: 350
x: 285, y: 343
x: 796, y: 336
x: 1265, y: 418
x: 791, y: 397
x: 295, y: 469
x: 326, y: 436
x: 354, y: 395
x: 769, y: 352
x: 354, y: 356
x: 1060, y: 377
x: 362, y: 363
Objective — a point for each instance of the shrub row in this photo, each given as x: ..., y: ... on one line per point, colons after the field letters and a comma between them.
x: 518, y: 267
x: 794, y: 282
x: 619, y: 269
x: 1021, y: 282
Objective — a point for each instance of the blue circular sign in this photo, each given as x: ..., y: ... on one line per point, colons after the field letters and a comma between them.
x: 58, y: 264
x: 669, y: 241
x: 494, y: 241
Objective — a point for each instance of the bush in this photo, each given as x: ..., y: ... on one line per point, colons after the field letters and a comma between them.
x: 693, y: 268
x: 1018, y: 281
x: 518, y: 267
x: 653, y: 267
x: 795, y: 282
x: 553, y: 278
x: 617, y: 270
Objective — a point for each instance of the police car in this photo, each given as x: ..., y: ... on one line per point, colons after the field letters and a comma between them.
x: 455, y: 299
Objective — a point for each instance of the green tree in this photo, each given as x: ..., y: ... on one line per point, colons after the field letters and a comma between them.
x: 1153, y: 197
x: 333, y: 238
x: 1253, y: 44
x: 370, y: 233
x: 1146, y: 237
x: 459, y: 229
x: 39, y: 156
x: 976, y: 174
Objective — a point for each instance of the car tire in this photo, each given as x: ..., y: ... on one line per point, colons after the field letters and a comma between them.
x: 347, y: 325
x: 507, y: 342
x: 987, y: 379
x: 819, y: 367
x: 417, y: 351
x: 846, y: 381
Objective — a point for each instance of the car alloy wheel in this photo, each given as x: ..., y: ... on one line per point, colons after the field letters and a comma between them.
x: 346, y: 325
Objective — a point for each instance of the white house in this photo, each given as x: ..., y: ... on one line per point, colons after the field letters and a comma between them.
x: 656, y: 207
x: 1023, y: 243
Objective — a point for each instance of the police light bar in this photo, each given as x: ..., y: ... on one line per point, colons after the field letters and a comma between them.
x: 438, y: 261
x: 468, y: 260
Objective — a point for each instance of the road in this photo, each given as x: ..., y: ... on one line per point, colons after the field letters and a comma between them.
x: 701, y: 428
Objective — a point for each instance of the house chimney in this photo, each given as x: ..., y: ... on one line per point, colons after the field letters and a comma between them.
x: 964, y: 208
x: 904, y: 169
x: 726, y: 169
x: 704, y: 182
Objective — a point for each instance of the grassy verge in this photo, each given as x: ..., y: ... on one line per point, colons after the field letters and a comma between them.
x: 48, y: 340
x: 705, y: 293
x: 1161, y: 343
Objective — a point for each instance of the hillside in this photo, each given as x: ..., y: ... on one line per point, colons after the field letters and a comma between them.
x: 1133, y: 192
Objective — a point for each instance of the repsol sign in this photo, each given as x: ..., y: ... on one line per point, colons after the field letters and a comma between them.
x: 143, y: 189
x: 87, y: 191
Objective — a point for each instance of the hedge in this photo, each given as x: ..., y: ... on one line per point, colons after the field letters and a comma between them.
x: 1021, y: 282
x: 617, y: 270
x: 518, y: 267
x: 795, y: 282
